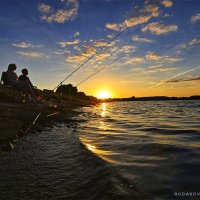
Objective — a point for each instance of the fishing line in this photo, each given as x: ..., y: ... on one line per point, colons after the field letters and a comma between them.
x: 101, y: 69
x: 123, y: 29
x: 90, y: 58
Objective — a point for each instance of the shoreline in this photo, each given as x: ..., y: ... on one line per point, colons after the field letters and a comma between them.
x: 18, y: 119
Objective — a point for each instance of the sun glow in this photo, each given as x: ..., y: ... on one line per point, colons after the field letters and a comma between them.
x: 103, y: 94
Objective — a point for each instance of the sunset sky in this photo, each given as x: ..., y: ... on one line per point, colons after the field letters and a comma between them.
x: 160, y: 44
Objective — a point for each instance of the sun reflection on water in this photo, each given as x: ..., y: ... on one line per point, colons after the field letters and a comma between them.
x: 103, y: 109
x: 103, y: 113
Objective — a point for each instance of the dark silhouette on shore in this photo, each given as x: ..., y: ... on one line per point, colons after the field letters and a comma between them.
x: 153, y: 98
x: 12, y: 79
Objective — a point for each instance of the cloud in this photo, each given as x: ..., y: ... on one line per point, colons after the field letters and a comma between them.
x: 154, y: 66
x: 111, y: 36
x: 195, y: 18
x: 167, y: 3
x: 137, y: 20
x: 76, y: 34
x: 61, y: 16
x: 75, y: 58
x: 193, y: 79
x: 61, y: 52
x: 172, y: 59
x: 65, y: 43
x: 157, y: 70
x: 22, y: 45
x: 137, y: 69
x: 135, y: 60
x: 25, y: 45
x: 69, y: 12
x: 159, y: 28
x: 157, y: 57
x: 147, y: 71
x: 179, y: 74
x: 143, y: 16
x: 88, y: 51
x: 77, y: 48
x: 127, y: 49
x: 194, y: 42
x: 167, y: 15
x: 153, y: 56
x: 102, y: 56
x: 116, y: 50
x: 44, y: 8
x: 31, y: 54
x: 153, y: 9
x: 102, y: 43
x: 166, y: 69
x: 115, y: 27
x: 189, y: 44
x: 137, y: 38
x: 183, y: 80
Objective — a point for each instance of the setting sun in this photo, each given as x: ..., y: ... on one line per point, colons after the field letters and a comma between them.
x: 103, y: 94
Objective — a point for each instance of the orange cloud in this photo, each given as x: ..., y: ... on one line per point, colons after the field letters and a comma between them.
x: 101, y: 43
x: 159, y: 28
x: 137, y: 20
x: 115, y: 27
x: 153, y: 9
x: 154, y: 56
x: 167, y: 3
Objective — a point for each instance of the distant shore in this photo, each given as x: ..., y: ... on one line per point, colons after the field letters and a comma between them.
x: 152, y: 98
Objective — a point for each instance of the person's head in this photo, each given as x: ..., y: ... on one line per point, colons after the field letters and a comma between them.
x: 12, y: 67
x: 24, y: 71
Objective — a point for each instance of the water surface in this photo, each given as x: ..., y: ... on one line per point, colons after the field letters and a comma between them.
x: 120, y: 150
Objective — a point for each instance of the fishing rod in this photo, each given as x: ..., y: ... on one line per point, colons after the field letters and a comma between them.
x: 91, y: 57
x: 101, y: 69
x: 123, y: 29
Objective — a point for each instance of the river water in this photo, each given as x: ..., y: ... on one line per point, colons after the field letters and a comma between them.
x: 120, y: 150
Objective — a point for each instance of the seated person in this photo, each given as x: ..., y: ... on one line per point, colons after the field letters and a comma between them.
x: 26, y: 79
x: 12, y: 79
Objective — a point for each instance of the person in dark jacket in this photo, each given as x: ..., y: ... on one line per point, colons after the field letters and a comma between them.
x: 24, y: 78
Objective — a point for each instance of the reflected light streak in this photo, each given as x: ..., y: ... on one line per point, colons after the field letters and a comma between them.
x: 103, y: 154
x: 104, y: 109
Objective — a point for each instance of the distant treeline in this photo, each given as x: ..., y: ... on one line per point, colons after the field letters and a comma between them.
x: 153, y: 98
x: 68, y: 93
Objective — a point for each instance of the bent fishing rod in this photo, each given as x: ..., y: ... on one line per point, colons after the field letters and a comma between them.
x: 91, y: 57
